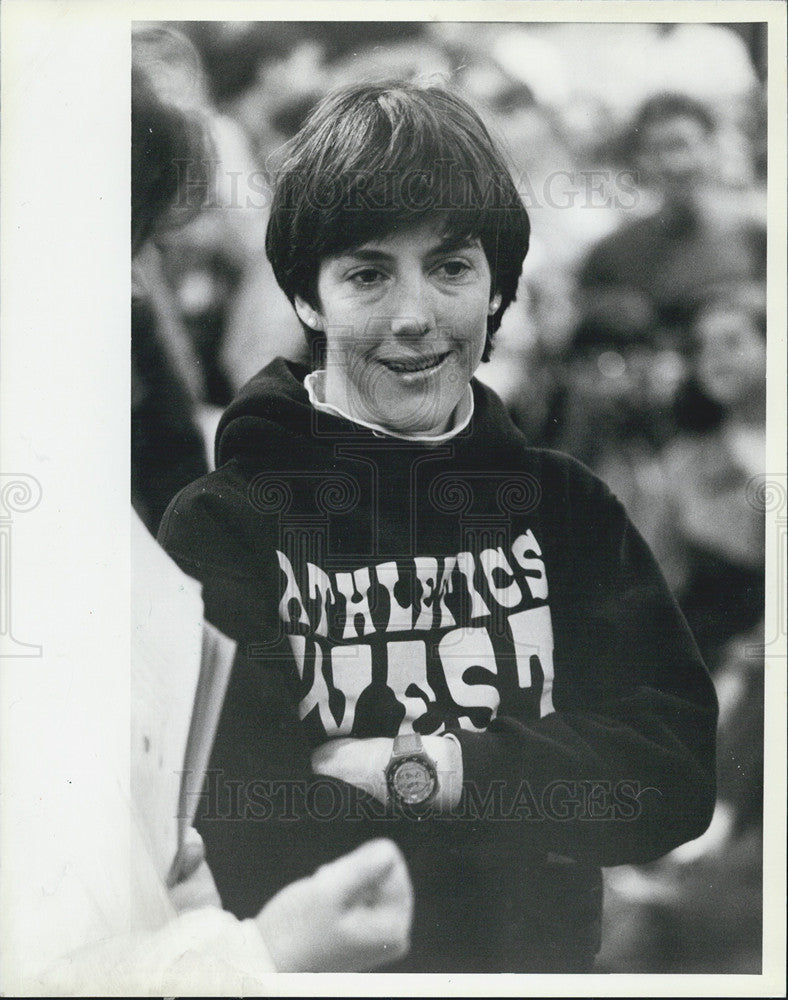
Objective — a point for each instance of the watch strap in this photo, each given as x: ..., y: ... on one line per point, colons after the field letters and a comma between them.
x: 407, y: 744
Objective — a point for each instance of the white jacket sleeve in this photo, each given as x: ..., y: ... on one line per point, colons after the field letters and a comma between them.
x: 205, y: 952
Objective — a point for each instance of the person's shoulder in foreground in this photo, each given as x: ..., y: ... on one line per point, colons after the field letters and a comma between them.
x: 378, y: 530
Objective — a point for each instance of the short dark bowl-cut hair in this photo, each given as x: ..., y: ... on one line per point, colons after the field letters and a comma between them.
x: 374, y: 159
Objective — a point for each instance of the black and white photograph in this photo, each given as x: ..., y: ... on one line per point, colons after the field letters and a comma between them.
x: 393, y: 504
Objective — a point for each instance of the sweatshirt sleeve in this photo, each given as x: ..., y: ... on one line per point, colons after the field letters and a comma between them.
x: 208, y: 532
x: 252, y: 807
x: 623, y: 770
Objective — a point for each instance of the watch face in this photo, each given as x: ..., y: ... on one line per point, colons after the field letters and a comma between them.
x: 413, y: 782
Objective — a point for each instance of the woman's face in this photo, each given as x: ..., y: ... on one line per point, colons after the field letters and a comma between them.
x: 677, y: 151
x: 731, y: 362
x: 405, y: 323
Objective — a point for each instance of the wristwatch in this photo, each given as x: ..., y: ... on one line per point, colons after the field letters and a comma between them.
x: 411, y: 777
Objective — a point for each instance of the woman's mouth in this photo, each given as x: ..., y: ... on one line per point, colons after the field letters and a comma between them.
x: 415, y: 365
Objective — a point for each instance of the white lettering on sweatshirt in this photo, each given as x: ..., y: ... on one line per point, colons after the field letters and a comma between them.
x: 436, y: 640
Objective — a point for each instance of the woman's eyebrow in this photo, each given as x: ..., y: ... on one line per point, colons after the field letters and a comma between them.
x: 367, y: 255
x: 450, y: 244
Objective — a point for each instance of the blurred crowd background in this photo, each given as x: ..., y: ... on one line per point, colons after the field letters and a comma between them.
x: 637, y: 342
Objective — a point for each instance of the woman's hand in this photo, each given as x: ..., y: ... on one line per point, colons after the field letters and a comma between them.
x: 359, y: 762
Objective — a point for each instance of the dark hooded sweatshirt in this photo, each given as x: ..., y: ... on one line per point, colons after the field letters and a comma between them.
x: 478, y: 587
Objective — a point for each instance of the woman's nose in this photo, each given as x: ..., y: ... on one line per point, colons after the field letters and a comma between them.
x: 411, y: 316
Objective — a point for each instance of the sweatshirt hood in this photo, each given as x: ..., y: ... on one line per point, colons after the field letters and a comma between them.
x: 274, y: 408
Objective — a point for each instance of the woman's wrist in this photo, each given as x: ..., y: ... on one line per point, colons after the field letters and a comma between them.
x: 446, y: 753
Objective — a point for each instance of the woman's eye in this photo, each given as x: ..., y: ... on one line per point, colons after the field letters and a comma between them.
x: 453, y: 269
x: 367, y: 276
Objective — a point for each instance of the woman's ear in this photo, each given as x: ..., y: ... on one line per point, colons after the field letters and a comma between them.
x: 311, y: 317
x: 495, y: 304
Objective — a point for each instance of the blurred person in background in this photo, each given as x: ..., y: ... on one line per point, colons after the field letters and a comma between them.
x: 698, y: 216
x: 699, y: 231
x: 208, y: 260
x: 541, y: 311
x: 167, y: 447
x: 699, y: 909
x: 257, y: 72
x: 614, y: 412
x: 718, y: 451
x: 185, y: 277
x: 561, y: 167
x: 254, y: 86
